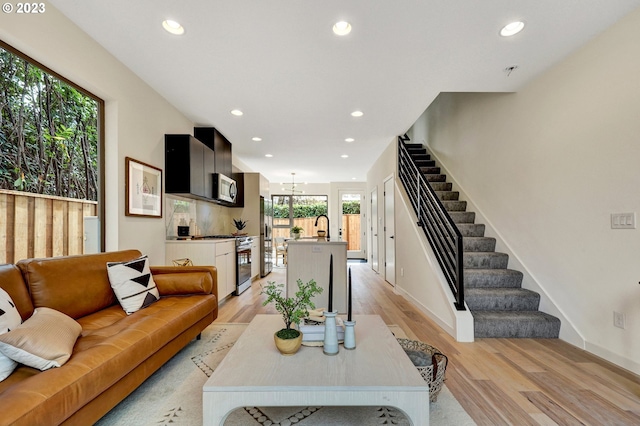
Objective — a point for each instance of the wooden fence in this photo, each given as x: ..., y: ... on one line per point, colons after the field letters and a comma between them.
x: 350, y: 229
x: 34, y: 225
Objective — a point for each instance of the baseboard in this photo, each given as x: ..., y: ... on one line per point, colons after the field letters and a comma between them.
x: 607, y: 355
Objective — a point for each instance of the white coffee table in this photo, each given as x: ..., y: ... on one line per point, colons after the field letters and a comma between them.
x: 377, y: 372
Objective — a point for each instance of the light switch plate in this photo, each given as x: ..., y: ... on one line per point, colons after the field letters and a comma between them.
x: 623, y: 221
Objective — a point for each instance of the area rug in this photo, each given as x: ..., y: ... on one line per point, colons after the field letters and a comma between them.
x: 173, y: 395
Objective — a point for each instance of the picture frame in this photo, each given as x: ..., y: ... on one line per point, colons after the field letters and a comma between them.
x: 143, y: 183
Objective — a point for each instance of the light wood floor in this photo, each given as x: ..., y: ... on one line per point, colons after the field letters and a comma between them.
x: 497, y: 381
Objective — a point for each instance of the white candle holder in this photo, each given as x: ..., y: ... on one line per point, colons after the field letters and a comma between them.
x: 349, y: 335
x: 330, y: 346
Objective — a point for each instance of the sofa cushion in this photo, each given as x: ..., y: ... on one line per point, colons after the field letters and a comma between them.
x: 43, y: 341
x: 74, y: 285
x: 9, y: 319
x: 133, y: 284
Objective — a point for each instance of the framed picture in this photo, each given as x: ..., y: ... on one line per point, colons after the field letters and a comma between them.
x: 143, y: 189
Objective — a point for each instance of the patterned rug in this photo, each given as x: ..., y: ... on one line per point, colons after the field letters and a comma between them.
x: 173, y: 395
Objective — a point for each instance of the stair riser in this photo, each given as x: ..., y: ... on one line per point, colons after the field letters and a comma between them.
x: 479, y: 244
x: 514, y: 328
x: 463, y: 217
x: 492, y: 278
x: 421, y: 157
x: 430, y: 170
x: 455, y: 206
x: 425, y: 163
x: 497, y: 303
x: 441, y: 186
x: 435, y: 178
x: 486, y: 260
x: 470, y: 229
x: 448, y: 195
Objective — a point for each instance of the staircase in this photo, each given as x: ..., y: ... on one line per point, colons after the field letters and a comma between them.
x: 493, y: 293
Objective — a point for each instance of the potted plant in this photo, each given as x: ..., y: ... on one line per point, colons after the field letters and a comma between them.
x: 296, y: 231
x: 292, y: 309
x: 239, y: 224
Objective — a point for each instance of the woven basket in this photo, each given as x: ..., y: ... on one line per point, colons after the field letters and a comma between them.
x: 434, y: 380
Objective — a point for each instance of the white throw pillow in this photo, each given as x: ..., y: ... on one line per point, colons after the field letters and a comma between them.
x: 9, y: 319
x: 43, y: 341
x: 133, y: 284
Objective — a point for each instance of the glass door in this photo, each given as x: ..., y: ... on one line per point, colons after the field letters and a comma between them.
x: 351, y: 220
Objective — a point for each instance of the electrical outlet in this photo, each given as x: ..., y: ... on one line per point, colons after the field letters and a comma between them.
x: 618, y: 320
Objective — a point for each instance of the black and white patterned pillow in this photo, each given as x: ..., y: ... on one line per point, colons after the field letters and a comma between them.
x: 9, y: 319
x: 133, y: 284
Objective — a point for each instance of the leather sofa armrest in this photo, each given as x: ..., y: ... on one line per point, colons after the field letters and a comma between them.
x: 174, y: 280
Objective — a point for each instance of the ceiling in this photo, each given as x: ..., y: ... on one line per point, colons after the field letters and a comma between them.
x: 297, y: 83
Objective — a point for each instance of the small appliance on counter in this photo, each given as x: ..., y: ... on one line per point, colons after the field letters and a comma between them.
x: 183, y: 231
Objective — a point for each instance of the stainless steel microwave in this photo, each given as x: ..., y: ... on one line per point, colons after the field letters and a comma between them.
x: 224, y: 188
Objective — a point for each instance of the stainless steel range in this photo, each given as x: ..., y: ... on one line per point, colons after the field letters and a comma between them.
x: 243, y: 260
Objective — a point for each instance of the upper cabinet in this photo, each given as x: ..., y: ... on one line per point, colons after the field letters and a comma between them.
x: 220, y: 145
x: 190, y: 164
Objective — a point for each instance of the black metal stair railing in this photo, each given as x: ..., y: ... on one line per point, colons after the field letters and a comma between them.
x: 442, y: 233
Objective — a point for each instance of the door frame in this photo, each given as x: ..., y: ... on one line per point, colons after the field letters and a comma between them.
x: 362, y: 253
x: 389, y: 231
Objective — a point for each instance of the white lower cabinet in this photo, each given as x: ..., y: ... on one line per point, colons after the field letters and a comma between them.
x: 226, y: 264
x: 255, y: 257
x: 221, y: 254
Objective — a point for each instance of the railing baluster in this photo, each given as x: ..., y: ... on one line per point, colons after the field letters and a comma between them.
x: 442, y: 233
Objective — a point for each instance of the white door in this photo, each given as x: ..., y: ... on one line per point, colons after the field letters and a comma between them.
x: 389, y: 232
x: 351, y: 222
x: 374, y: 229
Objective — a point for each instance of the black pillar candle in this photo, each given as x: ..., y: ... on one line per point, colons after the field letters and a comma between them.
x: 330, y: 307
x: 349, y: 308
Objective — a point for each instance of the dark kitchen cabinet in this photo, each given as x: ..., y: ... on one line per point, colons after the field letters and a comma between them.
x: 216, y: 141
x: 189, y: 167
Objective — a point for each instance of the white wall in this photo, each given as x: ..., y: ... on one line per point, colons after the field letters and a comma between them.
x: 136, y: 116
x: 547, y: 166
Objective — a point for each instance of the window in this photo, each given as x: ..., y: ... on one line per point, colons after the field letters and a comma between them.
x: 51, y: 145
x: 298, y: 210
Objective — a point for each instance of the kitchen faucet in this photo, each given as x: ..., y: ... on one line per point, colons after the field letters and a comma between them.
x: 328, y: 228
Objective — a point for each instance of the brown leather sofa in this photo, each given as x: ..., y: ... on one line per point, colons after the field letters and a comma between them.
x: 115, y: 353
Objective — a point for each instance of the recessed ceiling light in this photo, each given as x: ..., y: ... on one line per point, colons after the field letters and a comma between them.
x: 256, y: 139
x: 357, y: 114
x: 173, y: 27
x: 342, y: 28
x: 236, y: 112
x: 512, y: 29
x: 353, y: 178
x: 349, y: 140
x: 268, y: 155
x: 344, y: 156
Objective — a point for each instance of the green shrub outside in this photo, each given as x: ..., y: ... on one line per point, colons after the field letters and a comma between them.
x: 313, y: 210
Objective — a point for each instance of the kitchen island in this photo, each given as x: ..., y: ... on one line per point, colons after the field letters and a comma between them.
x: 309, y: 259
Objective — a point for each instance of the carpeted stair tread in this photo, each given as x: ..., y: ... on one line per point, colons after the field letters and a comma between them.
x: 417, y: 149
x: 501, y: 299
x: 485, y: 260
x: 471, y: 229
x: 448, y: 195
x: 463, y: 217
x: 515, y: 324
x: 483, y: 278
x: 478, y: 244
